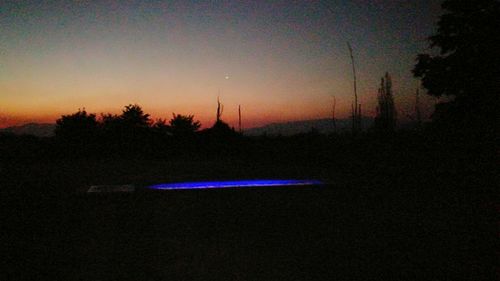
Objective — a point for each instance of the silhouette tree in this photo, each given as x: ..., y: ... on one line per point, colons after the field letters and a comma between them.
x: 78, y: 127
x: 467, y: 67
x: 132, y: 115
x: 386, y: 112
x: 128, y: 132
x: 161, y: 126
x: 222, y: 127
x: 109, y: 120
x: 111, y: 126
x: 183, y: 125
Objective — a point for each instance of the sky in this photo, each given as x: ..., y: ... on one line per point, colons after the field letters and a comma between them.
x: 280, y: 60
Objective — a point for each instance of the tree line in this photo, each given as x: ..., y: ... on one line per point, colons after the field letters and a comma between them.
x: 134, y: 131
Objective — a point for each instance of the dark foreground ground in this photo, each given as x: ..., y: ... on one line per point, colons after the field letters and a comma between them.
x: 408, y: 215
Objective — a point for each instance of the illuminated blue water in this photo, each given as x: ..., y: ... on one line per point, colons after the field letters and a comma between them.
x: 232, y: 184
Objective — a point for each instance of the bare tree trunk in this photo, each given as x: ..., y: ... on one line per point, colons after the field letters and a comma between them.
x: 220, y: 108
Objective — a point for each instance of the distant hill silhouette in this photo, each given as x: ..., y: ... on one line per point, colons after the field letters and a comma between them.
x: 324, y: 126
x: 35, y: 129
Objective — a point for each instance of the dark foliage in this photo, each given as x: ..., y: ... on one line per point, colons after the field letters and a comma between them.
x: 183, y: 125
x: 467, y: 67
x: 77, y: 133
x: 133, y: 116
x: 222, y: 129
x: 161, y: 128
x: 79, y: 126
x: 133, y: 134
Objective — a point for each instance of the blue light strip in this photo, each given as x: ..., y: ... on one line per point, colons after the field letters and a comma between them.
x: 230, y: 184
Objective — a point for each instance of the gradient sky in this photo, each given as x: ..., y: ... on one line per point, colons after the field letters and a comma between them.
x: 285, y: 60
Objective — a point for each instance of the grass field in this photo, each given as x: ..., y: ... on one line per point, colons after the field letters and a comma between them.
x: 404, y: 216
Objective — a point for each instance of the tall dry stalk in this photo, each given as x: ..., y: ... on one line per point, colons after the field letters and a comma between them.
x: 359, y: 118
x: 239, y: 117
x: 333, y: 115
x: 356, y: 111
x: 417, y: 108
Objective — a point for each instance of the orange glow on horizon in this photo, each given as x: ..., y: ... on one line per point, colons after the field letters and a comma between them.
x: 251, y: 117
x: 256, y: 110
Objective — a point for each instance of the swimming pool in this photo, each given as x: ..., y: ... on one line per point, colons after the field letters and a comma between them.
x: 234, y: 184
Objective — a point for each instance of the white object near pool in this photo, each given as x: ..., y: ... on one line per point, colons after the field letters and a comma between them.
x: 111, y: 188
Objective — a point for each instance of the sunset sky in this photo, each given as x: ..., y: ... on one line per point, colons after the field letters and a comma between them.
x: 281, y: 60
